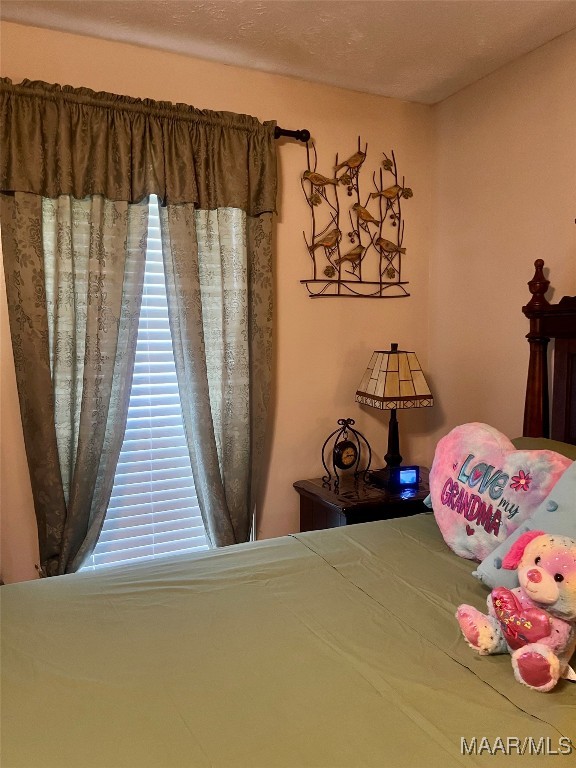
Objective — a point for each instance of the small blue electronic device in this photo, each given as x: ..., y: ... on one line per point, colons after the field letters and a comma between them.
x: 408, y: 476
x: 396, y: 478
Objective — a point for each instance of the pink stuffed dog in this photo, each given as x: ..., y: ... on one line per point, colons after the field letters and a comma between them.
x: 536, y: 622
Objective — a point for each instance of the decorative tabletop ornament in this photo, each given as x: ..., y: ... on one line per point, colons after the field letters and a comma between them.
x: 344, y: 450
x: 366, y: 262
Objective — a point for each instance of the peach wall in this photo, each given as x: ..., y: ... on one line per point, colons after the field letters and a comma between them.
x: 322, y: 346
x: 493, y: 170
x: 504, y: 192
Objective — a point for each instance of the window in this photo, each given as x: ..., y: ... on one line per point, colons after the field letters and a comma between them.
x: 153, y: 509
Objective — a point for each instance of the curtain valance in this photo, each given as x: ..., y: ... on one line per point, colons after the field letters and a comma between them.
x: 58, y: 140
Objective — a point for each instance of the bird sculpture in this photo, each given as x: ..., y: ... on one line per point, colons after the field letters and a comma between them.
x: 317, y: 179
x: 355, y: 161
x: 389, y: 193
x: 352, y: 256
x: 363, y: 214
x: 328, y: 240
x: 388, y: 246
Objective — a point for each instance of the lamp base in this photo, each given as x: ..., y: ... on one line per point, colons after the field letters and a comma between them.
x: 393, y: 457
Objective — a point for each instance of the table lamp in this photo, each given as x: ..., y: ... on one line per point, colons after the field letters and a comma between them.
x: 394, y: 379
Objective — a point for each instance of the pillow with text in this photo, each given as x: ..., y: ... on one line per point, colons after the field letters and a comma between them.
x: 482, y: 488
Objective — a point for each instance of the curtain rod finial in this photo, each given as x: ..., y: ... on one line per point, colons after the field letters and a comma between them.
x: 301, y: 135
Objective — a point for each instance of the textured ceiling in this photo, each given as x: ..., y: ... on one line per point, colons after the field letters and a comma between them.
x: 417, y: 50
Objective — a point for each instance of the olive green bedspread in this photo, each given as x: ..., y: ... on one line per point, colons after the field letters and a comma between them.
x: 325, y: 649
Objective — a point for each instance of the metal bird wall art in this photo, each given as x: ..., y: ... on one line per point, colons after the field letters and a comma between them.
x: 327, y: 240
x: 352, y: 256
x: 317, y: 179
x: 371, y: 265
x: 364, y: 215
x: 353, y: 162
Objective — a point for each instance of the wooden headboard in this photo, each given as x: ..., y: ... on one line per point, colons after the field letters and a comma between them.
x: 557, y: 322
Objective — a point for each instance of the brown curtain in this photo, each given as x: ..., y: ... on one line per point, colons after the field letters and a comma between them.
x: 74, y: 272
x: 72, y: 141
x: 76, y: 169
x: 218, y: 268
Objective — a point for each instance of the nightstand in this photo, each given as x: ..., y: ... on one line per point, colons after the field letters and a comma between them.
x: 356, y: 501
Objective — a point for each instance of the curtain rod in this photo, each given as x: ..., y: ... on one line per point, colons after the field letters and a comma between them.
x: 303, y: 135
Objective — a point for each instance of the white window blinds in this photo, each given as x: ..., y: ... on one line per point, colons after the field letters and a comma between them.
x: 153, y: 509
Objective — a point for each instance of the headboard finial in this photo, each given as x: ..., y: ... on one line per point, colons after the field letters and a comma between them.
x: 538, y: 287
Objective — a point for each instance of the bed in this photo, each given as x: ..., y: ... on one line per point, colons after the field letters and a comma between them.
x: 320, y: 649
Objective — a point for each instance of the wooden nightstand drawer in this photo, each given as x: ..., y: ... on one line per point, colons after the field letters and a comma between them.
x: 356, y: 501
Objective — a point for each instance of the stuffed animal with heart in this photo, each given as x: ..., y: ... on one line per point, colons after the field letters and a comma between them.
x: 536, y: 622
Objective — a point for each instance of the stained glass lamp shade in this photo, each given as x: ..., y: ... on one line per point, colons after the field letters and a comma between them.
x: 394, y: 379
